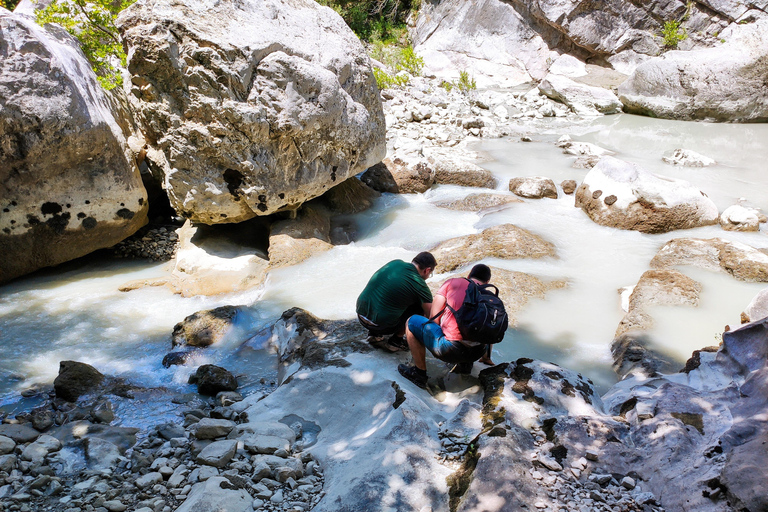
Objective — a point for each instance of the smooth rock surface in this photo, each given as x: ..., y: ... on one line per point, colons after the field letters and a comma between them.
x: 739, y: 218
x: 216, y: 493
x: 533, y: 187
x: 582, y: 99
x: 204, y: 328
x: 742, y: 261
x: 688, y: 158
x: 257, y: 108
x: 479, y: 202
x: 76, y: 379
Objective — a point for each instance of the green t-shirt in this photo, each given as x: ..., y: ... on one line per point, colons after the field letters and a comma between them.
x: 392, y: 289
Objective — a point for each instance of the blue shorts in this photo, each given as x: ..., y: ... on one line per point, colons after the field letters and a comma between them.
x: 431, y: 336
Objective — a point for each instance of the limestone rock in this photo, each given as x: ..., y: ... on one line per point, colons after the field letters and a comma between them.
x: 218, y: 454
x: 400, y: 175
x: 568, y: 65
x: 251, y: 115
x: 265, y: 444
x: 211, y: 379
x: 216, y: 493
x: 479, y: 202
x: 76, y: 379
x: 295, y: 240
x: 743, y: 262
x: 211, y: 428
x: 69, y: 184
x: 101, y: 453
x: 569, y: 186
x: 624, y: 195
x: 456, y: 171
x: 505, y: 241
x: 582, y: 149
x: 688, y: 158
x: 350, y: 196
x: 204, y: 328
x: 581, y: 98
x: 758, y: 307
x: 680, y: 84
x: 535, y: 187
x: 739, y: 218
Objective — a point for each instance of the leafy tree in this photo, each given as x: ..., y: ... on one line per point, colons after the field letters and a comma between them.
x: 373, y: 19
x: 93, y: 24
x: 9, y: 4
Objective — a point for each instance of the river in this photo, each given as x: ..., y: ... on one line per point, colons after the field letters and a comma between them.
x: 76, y: 311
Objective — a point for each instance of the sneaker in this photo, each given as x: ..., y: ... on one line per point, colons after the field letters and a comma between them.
x: 413, y: 374
x: 462, y: 368
x: 375, y: 340
x: 396, y: 343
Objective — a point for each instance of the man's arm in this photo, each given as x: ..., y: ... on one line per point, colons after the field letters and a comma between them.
x: 427, y: 307
x: 438, y: 304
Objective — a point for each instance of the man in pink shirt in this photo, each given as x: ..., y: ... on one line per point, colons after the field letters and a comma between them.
x: 443, y: 338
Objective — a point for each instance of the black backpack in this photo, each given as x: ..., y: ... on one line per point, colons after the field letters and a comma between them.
x: 481, y: 317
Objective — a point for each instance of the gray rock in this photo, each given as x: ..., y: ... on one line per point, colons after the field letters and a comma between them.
x: 297, y: 117
x: 624, y: 195
x: 148, y: 480
x: 72, y: 186
x: 115, y: 506
x: 218, y: 453
x: 216, y: 493
x: 212, y: 379
x: 265, y: 444
x: 76, y: 379
x: 19, y: 433
x: 209, y: 428
x: 8, y: 462
x: 581, y: 98
x: 101, y: 454
x: 204, y: 328
x: 6, y: 445
x: 170, y: 431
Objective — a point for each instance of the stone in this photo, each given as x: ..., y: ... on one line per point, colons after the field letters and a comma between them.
x: 628, y: 483
x: 265, y: 444
x: 101, y: 453
x: 741, y: 261
x: 679, y: 85
x: 295, y: 240
x: 42, y: 419
x: 70, y: 183
x: 212, y: 379
x: 6, y: 445
x: 568, y: 186
x: 103, y: 412
x: 217, y: 454
x: 8, y: 462
x: 19, y: 433
x: 479, y: 202
x: 115, y: 506
x: 450, y: 170
x: 757, y: 308
x: 401, y: 174
x: 148, y: 480
x: 505, y: 241
x: 76, y: 379
x: 581, y: 149
x: 747, y: 345
x: 170, y: 431
x: 643, y: 201
x: 581, y: 98
x: 287, y: 120
x: 204, y: 328
x: 216, y: 493
x: 264, y: 428
x: 535, y: 187
x: 349, y: 196
x: 739, y: 218
x: 688, y: 158
x: 209, y: 428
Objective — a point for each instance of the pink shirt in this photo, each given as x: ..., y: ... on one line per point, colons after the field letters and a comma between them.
x: 453, y: 290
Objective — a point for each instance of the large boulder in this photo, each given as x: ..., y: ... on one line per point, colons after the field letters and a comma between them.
x: 68, y: 185
x: 626, y: 196
x: 742, y: 261
x: 292, y: 241
x: 725, y: 83
x: 252, y: 115
x: 402, y: 174
x: 581, y: 98
x: 505, y: 241
x: 533, y: 187
x: 204, y: 328
x: 76, y: 379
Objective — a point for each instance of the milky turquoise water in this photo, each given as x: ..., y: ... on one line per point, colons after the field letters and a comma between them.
x: 76, y: 311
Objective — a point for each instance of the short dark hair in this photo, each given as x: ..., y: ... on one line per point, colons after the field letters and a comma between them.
x: 425, y: 260
x: 481, y: 273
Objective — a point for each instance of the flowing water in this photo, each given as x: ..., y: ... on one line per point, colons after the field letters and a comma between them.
x: 76, y: 312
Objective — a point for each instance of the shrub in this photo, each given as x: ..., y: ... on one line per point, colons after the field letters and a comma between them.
x: 373, y: 19
x: 672, y: 33
x: 410, y: 62
x: 384, y: 80
x: 93, y: 24
x: 465, y: 83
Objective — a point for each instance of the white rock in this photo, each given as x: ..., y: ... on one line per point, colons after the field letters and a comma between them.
x: 583, y: 99
x: 148, y: 480
x: 688, y: 158
x: 569, y: 66
x: 740, y: 218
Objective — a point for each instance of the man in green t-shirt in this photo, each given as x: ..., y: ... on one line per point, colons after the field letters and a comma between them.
x: 394, y: 293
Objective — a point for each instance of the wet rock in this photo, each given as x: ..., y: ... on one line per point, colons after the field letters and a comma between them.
x: 19, y: 433
x: 688, y: 158
x: 217, y: 492
x: 259, y: 171
x: 479, y: 202
x: 179, y: 358
x: 76, y: 379
x: 208, y: 428
x: 42, y: 419
x: 350, y: 196
x: 60, y: 126
x: 211, y: 379
x: 6, y: 445
x: 569, y: 186
x: 450, y: 170
x: 295, y: 240
x: 739, y: 218
x: 170, y: 431
x: 645, y: 202
x: 217, y: 454
x: 204, y: 328
x: 581, y: 98
x: 743, y: 262
x: 535, y: 187
x: 101, y: 454
x: 748, y: 345
x: 505, y: 241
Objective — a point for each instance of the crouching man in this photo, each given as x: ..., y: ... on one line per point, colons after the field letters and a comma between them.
x: 440, y: 333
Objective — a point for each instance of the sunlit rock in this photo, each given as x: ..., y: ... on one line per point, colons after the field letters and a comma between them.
x: 292, y: 241
x: 626, y: 196
x: 256, y: 108
x: 505, y: 241
x: 688, y: 158
x: 742, y: 261
x: 401, y: 174
x: 581, y: 98
x: 479, y: 202
x: 217, y: 493
x: 757, y: 308
x: 725, y: 83
x: 204, y: 328
x: 452, y: 170
x: 740, y: 218
x: 533, y: 187
x: 69, y: 185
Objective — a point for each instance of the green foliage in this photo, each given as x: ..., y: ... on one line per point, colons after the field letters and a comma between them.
x: 672, y: 33
x: 9, y: 4
x: 374, y: 19
x: 410, y: 62
x: 93, y: 24
x: 384, y: 80
x: 464, y: 84
x: 448, y: 86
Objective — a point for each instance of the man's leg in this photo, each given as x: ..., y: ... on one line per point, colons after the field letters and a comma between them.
x: 418, y: 351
